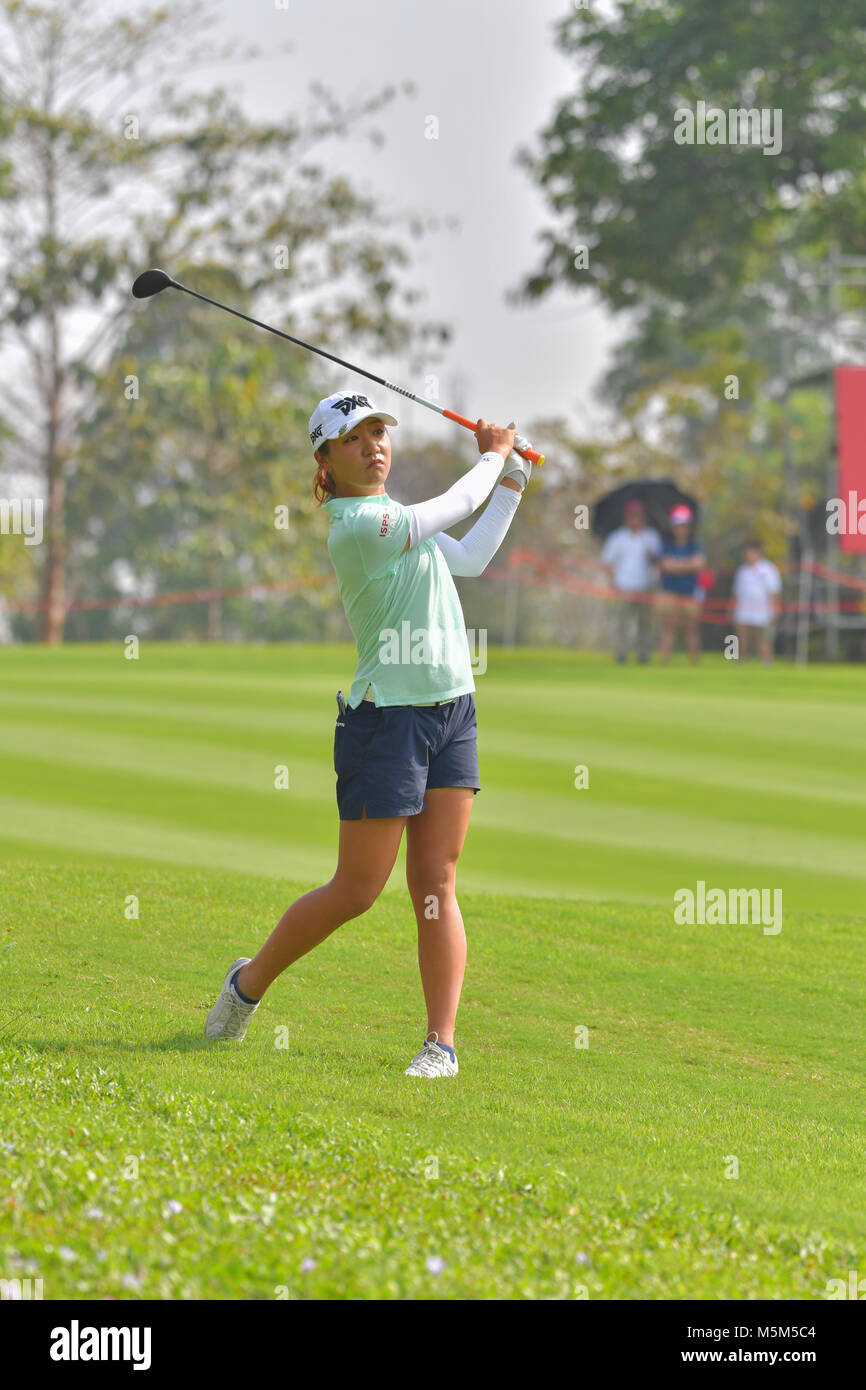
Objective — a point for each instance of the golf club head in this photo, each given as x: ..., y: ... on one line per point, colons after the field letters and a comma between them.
x: 151, y: 282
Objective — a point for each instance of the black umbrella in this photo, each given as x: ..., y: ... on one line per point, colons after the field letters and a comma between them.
x: 658, y: 496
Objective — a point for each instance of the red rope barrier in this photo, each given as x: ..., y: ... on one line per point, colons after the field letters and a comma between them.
x: 185, y: 596
x: 546, y: 572
x: 848, y: 581
x: 714, y: 609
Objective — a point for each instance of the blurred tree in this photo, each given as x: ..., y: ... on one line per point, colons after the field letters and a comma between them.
x: 202, y: 482
x: 708, y: 402
x: 7, y: 192
x: 678, y: 220
x: 721, y: 254
x: 99, y: 192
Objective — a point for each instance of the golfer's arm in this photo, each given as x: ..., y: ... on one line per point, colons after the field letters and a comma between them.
x: 460, y: 501
x: 470, y: 556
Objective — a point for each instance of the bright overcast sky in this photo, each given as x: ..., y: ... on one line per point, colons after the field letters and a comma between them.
x: 488, y: 70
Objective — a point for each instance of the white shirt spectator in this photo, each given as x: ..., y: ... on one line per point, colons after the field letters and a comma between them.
x: 630, y: 555
x: 754, y: 587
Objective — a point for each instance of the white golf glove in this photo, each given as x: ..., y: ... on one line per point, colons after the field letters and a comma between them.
x: 515, y: 466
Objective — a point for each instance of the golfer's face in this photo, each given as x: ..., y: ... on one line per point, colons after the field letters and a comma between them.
x: 681, y: 532
x: 360, y: 460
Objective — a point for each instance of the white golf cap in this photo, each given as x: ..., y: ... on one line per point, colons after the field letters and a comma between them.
x: 336, y: 414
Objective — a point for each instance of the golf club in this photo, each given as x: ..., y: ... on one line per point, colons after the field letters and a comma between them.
x: 151, y: 282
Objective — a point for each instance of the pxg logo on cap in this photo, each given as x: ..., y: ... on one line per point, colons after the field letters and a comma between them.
x: 336, y: 414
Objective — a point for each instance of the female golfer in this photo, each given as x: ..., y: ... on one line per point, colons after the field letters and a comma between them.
x: 405, y: 741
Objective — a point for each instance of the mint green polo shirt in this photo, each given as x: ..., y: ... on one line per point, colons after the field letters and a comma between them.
x: 403, y: 609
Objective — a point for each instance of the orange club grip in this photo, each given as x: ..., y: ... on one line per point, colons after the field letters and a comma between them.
x: 470, y: 425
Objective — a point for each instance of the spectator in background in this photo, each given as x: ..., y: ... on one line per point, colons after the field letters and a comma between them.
x: 757, y: 585
x: 628, y: 557
x: 681, y: 561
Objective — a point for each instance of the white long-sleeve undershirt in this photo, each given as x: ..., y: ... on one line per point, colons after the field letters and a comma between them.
x: 461, y: 500
x: 471, y: 555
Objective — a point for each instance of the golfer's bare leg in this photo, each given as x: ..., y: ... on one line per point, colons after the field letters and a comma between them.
x: 434, y: 840
x: 368, y: 849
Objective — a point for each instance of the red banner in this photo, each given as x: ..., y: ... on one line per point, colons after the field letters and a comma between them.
x: 846, y: 514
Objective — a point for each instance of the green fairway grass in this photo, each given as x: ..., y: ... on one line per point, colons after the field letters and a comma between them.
x: 737, y: 776
x: 141, y: 1161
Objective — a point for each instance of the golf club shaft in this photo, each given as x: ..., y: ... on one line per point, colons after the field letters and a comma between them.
x: 529, y: 454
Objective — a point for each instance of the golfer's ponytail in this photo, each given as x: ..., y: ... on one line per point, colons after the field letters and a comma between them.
x: 323, y: 485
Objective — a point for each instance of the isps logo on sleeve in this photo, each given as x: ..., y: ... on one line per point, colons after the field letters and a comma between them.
x: 386, y: 525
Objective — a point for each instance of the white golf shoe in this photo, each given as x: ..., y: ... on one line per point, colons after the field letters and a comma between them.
x: 230, y: 1016
x: 432, y: 1060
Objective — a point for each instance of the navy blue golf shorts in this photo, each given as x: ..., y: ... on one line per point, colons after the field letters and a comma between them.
x: 386, y: 757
